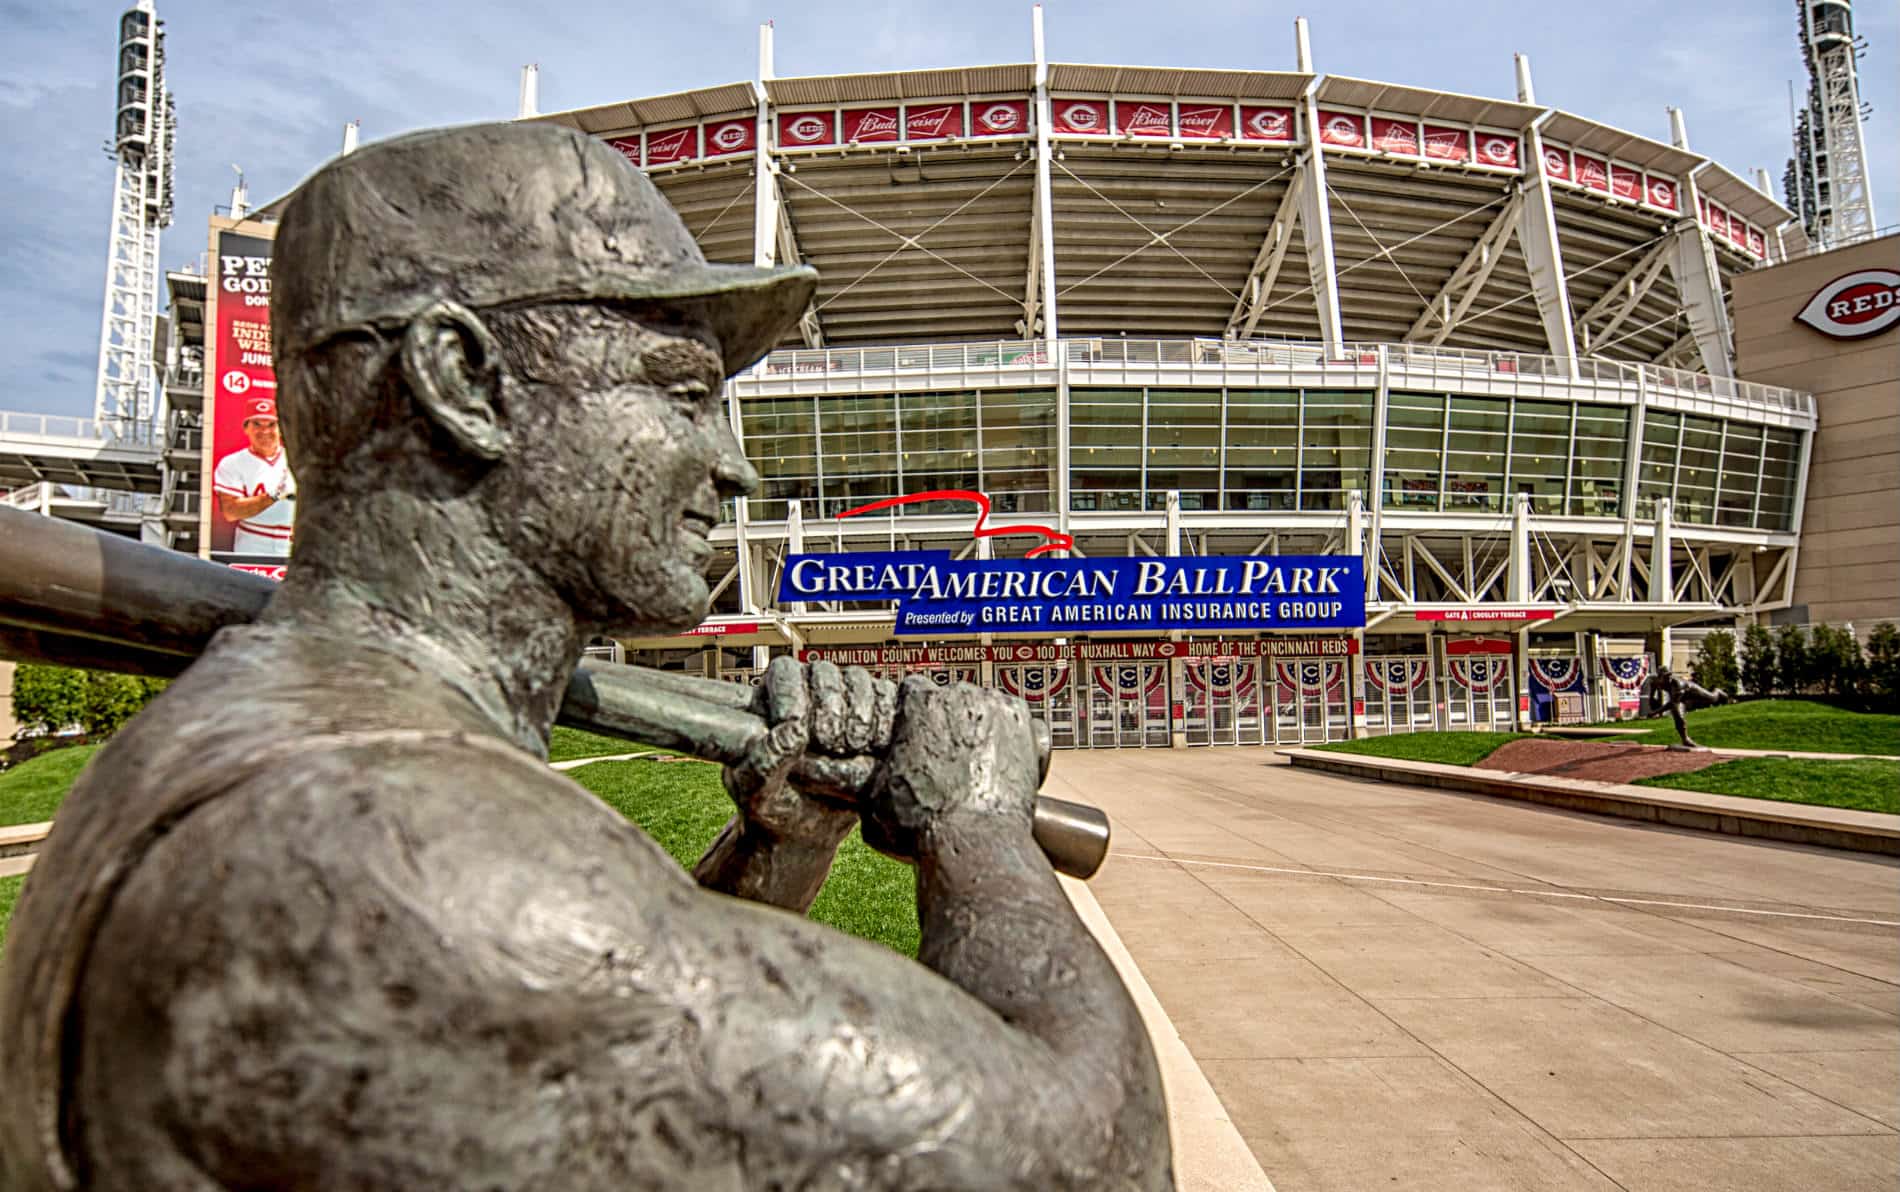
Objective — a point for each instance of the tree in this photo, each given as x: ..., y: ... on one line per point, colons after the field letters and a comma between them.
x: 1758, y: 661
x: 1883, y: 666
x: 1714, y: 666
x: 1791, y: 651
x: 1834, y: 660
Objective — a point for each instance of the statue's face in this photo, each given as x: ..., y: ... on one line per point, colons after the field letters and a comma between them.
x: 625, y: 454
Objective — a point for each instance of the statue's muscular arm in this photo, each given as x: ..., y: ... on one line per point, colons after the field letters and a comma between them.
x: 395, y: 970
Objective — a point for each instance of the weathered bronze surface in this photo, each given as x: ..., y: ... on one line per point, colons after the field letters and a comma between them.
x: 322, y: 918
x: 1676, y: 695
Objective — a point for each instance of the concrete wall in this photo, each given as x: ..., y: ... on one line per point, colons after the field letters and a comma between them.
x: 1849, y: 569
x: 7, y: 725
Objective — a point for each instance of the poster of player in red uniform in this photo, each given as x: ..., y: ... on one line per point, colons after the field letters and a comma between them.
x: 251, y: 493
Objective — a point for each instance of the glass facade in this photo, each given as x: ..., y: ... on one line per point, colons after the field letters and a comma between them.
x: 1265, y: 451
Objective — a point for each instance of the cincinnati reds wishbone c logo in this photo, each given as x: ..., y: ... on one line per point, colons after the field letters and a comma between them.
x: 1502, y: 150
x: 1860, y: 304
x: 1000, y: 117
x: 1081, y: 116
x: 806, y: 129
x: 730, y: 135
x: 1268, y: 123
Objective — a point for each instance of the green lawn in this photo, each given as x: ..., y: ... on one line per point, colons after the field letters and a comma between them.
x: 31, y: 791
x: 680, y: 804
x: 566, y: 744
x: 9, y: 894
x: 1450, y: 749
x: 1861, y: 784
x: 1805, y: 726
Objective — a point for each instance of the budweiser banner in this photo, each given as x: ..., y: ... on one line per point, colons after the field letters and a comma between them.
x: 732, y: 136
x: 1557, y: 163
x: 1497, y: 149
x: 1395, y: 136
x: 863, y: 125
x: 1204, y: 121
x: 1593, y: 173
x: 1625, y: 183
x: 1347, y: 130
x: 1444, y: 143
x: 674, y: 144
x: 999, y: 117
x: 627, y: 147
x: 1661, y: 193
x: 1737, y: 231
x: 933, y: 121
x: 1079, y: 117
x: 1718, y: 220
x: 1144, y: 117
x: 1267, y: 124
x: 252, y: 500
x: 804, y: 130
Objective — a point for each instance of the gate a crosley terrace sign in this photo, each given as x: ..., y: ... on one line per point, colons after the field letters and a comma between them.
x: 1863, y: 303
x: 939, y: 595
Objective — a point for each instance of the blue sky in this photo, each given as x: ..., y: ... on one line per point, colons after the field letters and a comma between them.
x: 269, y: 85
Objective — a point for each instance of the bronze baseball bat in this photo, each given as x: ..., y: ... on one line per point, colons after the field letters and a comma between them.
x: 81, y: 597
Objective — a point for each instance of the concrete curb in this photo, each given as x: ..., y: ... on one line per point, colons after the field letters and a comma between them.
x: 20, y: 839
x: 1209, y: 1153
x: 1795, y: 823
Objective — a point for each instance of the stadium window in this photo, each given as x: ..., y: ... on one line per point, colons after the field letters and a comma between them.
x: 1780, y: 465
x: 1184, y: 432
x: 1335, y: 447
x: 859, y: 439
x: 937, y: 447
x: 1262, y: 449
x: 1540, y: 453
x: 1696, y: 475
x: 1596, y: 466
x: 1414, y: 450
x: 1476, y: 439
x: 1656, y: 475
x: 781, y: 440
x: 1741, y: 475
x: 1018, y: 452
x: 1105, y: 449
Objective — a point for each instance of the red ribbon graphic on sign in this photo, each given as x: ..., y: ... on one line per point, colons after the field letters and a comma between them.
x: 1053, y: 539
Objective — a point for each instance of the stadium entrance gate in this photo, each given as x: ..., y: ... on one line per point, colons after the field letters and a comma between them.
x: 1049, y: 690
x: 1399, y: 691
x: 1478, y: 687
x: 1273, y: 691
x: 1221, y: 702
x: 1126, y: 704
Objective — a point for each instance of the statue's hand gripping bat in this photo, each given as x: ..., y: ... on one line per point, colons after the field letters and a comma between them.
x: 79, y: 597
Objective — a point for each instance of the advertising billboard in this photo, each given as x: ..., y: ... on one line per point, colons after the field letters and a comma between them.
x: 250, y: 492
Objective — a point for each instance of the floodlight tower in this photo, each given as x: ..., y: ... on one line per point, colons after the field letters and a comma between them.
x: 1827, y: 179
x: 126, y: 399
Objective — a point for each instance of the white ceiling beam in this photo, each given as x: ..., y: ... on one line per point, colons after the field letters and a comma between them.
x: 1258, y: 288
x: 1469, y: 277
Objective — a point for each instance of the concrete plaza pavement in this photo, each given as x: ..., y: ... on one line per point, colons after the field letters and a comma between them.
x: 1394, y: 987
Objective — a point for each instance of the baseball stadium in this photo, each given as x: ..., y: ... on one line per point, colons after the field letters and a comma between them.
x: 1482, y: 343
x: 1503, y: 362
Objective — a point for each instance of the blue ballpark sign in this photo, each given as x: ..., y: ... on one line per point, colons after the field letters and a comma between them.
x: 938, y: 595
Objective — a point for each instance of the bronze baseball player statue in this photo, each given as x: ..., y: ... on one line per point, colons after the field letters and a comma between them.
x: 322, y: 918
x: 1675, y: 695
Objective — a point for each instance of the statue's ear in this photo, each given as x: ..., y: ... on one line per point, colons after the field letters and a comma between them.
x: 449, y: 359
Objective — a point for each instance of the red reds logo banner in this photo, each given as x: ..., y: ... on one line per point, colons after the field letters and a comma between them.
x: 801, y: 130
x: 1593, y: 172
x: 1443, y: 143
x: 1085, y: 117
x: 676, y: 144
x: 933, y: 122
x: 999, y: 117
x: 1267, y: 124
x: 1144, y: 117
x: 1661, y: 192
x: 627, y: 147
x: 1497, y: 149
x: 1395, y: 136
x: 1624, y: 183
x: 870, y: 124
x: 1557, y: 163
x: 1205, y: 121
x: 1345, y: 129
x: 1860, y: 304
x: 1757, y: 243
x: 731, y: 136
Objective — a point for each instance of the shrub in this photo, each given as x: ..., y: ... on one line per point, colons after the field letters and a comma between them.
x: 1791, y: 652
x: 51, y: 699
x: 1834, y: 660
x: 1883, y: 666
x: 1758, y: 661
x: 1714, y: 666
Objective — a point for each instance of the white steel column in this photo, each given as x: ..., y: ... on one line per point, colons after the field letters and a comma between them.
x: 1632, y: 478
x: 1316, y: 217
x: 1381, y: 402
x: 1517, y: 580
x: 1543, y: 253
x: 1662, y: 549
x: 1692, y: 263
x: 528, y: 102
x: 1045, y: 203
x: 765, y: 200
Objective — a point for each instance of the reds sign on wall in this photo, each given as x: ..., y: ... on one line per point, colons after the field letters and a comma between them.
x: 801, y: 130
x: 1085, y: 117
x: 1267, y: 124
x: 731, y: 136
x: 1344, y: 129
x: 1860, y: 304
x: 1661, y: 192
x: 1497, y: 149
x: 999, y: 117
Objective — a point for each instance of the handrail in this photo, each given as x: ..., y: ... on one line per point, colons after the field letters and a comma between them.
x: 1224, y: 361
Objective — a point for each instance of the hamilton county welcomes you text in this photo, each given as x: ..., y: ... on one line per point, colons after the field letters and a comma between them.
x: 938, y: 595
